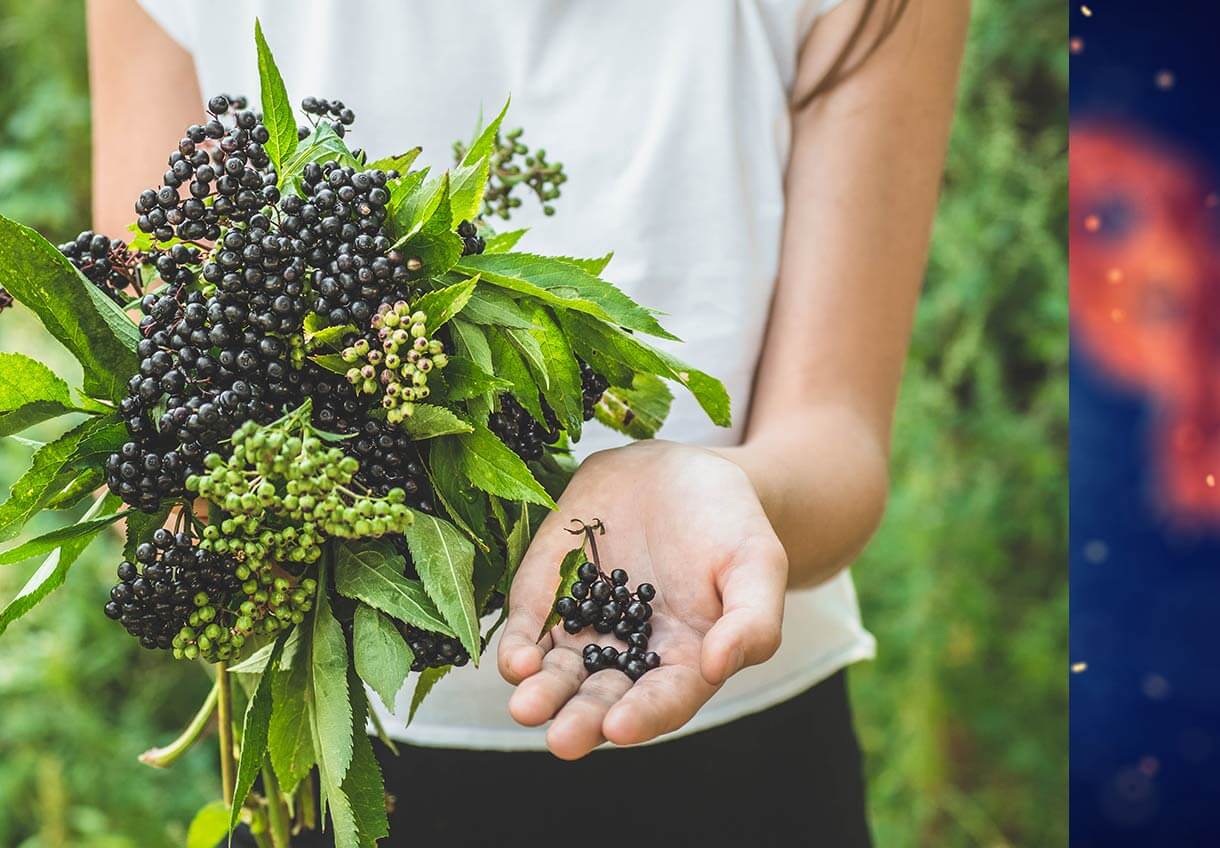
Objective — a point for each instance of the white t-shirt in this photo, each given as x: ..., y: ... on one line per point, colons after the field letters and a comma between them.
x: 672, y: 121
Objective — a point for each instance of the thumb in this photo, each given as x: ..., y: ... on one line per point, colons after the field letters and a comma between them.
x: 752, y: 594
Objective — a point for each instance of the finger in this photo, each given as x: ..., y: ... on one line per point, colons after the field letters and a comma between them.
x: 752, y: 593
x: 529, y: 602
x: 577, y: 728
x: 660, y: 701
x: 540, y: 696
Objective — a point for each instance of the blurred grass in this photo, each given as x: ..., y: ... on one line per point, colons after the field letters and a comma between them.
x: 962, y: 716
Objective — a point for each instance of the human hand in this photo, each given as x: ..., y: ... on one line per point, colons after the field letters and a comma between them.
x: 689, y: 522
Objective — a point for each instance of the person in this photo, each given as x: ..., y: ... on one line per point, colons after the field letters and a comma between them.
x: 766, y: 172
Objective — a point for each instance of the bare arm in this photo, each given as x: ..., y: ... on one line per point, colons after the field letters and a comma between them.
x: 862, y: 189
x: 145, y: 93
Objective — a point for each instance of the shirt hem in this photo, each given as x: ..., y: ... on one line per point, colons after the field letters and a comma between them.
x: 466, y: 737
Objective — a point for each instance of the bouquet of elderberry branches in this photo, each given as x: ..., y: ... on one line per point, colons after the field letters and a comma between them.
x: 330, y: 405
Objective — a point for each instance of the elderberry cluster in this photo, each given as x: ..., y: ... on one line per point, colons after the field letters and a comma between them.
x: 607, y: 605
x: 320, y: 107
x: 513, y: 165
x: 171, y: 584
x: 433, y: 650
x: 524, y: 434
x: 109, y: 265
x: 395, y: 364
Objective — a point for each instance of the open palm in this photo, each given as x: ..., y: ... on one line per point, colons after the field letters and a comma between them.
x: 686, y: 520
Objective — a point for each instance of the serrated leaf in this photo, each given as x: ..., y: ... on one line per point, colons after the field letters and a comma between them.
x: 256, y: 663
x: 434, y: 243
x: 494, y: 306
x: 317, y: 336
x: 428, y: 421
x: 503, y: 242
x: 330, y: 706
x: 594, y: 340
x: 372, y: 572
x: 442, y: 304
x: 140, y: 527
x: 321, y: 145
x: 492, y: 467
x: 562, y: 284
x: 209, y: 826
x: 527, y: 345
x: 470, y: 176
x: 463, y: 503
x: 572, y: 560
x: 254, y: 734
x: 591, y: 266
x: 516, y: 544
x: 277, y: 111
x: 289, y: 740
x: 49, y: 474
x: 637, y: 412
x: 428, y: 678
x: 30, y: 393
x: 444, y: 559
x: 564, y: 390
x: 470, y: 341
x: 332, y: 362
x: 382, y: 658
x: 54, y: 569
x: 511, y: 365
x: 85, y: 529
x: 400, y: 163
x: 363, y: 786
x: 467, y: 380
x: 413, y: 200
x: 76, y: 489
x: 88, y: 323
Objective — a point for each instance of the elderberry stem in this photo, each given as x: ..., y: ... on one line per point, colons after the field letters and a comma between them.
x: 224, y: 726
x: 167, y: 755
x: 277, y: 813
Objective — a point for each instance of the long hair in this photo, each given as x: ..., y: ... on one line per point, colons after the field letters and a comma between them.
x: 887, y: 13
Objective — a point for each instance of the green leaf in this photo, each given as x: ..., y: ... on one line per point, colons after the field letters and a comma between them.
x: 637, y: 412
x: 277, y: 111
x: 372, y: 572
x: 527, y: 344
x: 88, y: 323
x: 494, y: 306
x: 382, y: 658
x: 593, y: 340
x: 470, y: 177
x: 330, y: 706
x: 332, y: 362
x: 466, y: 505
x: 255, y: 730
x: 512, y: 367
x: 503, y: 242
x: 444, y: 559
x: 321, y: 145
x: 76, y: 490
x: 467, y: 380
x: 564, y: 390
x: 54, y: 569
x: 560, y: 283
x: 572, y: 560
x: 83, y: 530
x: 434, y: 243
x: 30, y: 393
x: 443, y: 304
x: 428, y: 421
x: 413, y: 201
x: 49, y: 474
x: 591, y: 266
x: 363, y: 786
x: 517, y: 544
x: 470, y: 341
x: 209, y: 826
x: 400, y: 163
x: 317, y: 336
x: 289, y: 740
x: 428, y: 678
x: 492, y: 467
x: 140, y: 528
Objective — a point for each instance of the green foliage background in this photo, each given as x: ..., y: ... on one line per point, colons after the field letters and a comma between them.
x: 962, y: 716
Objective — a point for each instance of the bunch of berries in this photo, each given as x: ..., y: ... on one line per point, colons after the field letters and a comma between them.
x: 604, y: 603
x: 513, y: 165
x: 528, y: 437
x: 396, y: 363
x: 320, y: 108
x: 109, y: 265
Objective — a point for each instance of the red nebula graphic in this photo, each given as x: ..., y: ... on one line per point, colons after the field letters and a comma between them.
x: 1145, y: 295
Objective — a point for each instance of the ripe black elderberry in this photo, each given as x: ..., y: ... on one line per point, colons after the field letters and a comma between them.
x: 6, y: 299
x: 472, y: 242
x: 605, y: 603
x: 107, y: 264
x: 524, y: 435
x: 433, y: 650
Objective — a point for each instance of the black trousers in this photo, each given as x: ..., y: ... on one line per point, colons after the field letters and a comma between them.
x: 788, y: 776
